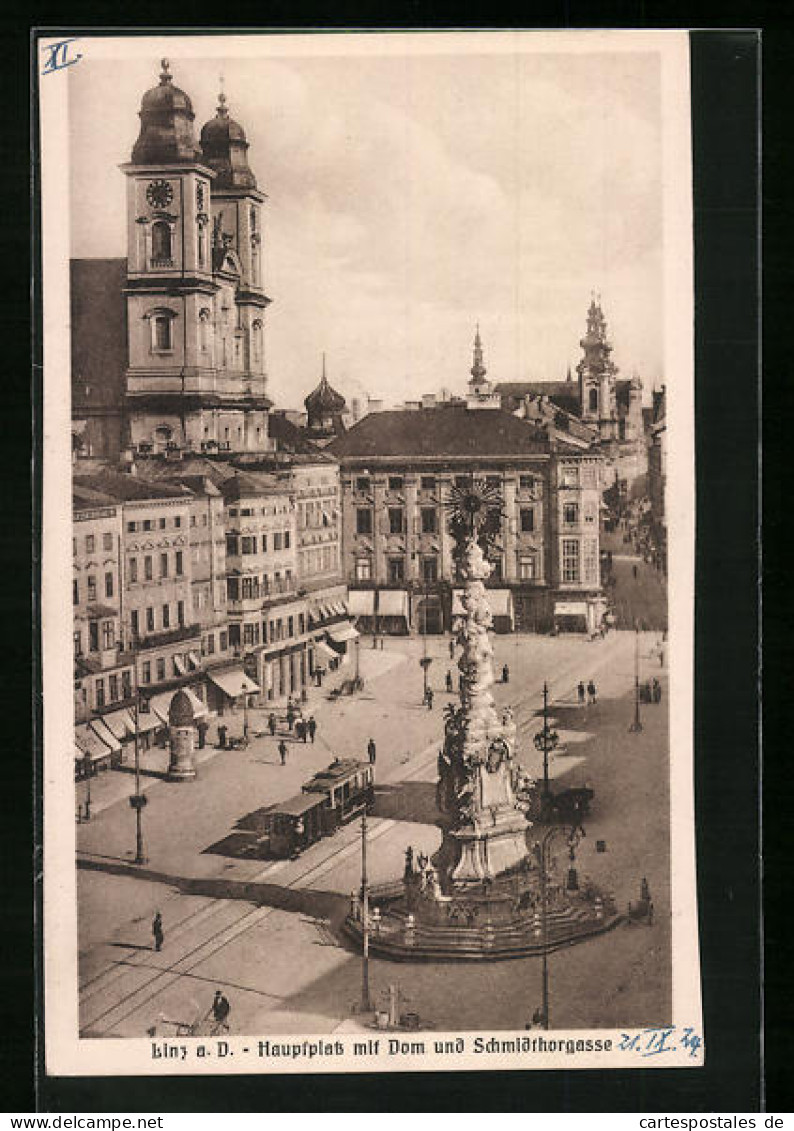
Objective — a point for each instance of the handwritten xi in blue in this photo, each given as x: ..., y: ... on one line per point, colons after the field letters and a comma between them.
x: 58, y: 56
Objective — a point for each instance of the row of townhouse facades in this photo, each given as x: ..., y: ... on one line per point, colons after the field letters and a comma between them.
x: 201, y: 575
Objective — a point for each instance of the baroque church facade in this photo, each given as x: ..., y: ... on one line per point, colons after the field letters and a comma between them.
x: 193, y: 318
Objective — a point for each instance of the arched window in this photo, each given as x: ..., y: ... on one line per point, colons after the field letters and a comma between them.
x: 161, y: 243
x: 593, y: 400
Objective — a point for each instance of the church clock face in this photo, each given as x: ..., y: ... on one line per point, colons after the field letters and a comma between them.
x: 159, y: 194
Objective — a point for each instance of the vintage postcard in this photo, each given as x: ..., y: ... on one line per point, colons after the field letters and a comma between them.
x: 367, y: 552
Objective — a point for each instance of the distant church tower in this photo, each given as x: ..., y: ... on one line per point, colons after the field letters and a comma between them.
x: 597, y: 375
x: 481, y: 393
x: 195, y: 301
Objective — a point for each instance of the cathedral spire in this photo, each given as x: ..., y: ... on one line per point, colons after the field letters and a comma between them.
x: 478, y: 370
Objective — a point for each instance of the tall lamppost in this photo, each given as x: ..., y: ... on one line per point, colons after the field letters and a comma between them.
x: 366, y: 1004
x: 545, y: 741
x: 87, y: 768
x: 575, y: 834
x: 636, y: 724
x: 138, y: 799
x: 425, y: 660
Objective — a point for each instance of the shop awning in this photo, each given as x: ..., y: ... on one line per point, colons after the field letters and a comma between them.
x: 570, y: 608
x: 342, y: 633
x: 147, y: 720
x: 179, y: 665
x: 324, y: 653
x: 121, y: 724
x: 199, y: 708
x: 393, y: 603
x: 105, y: 733
x: 195, y: 660
x: 158, y: 706
x: 233, y: 682
x: 90, y: 743
x: 500, y: 602
x: 361, y: 602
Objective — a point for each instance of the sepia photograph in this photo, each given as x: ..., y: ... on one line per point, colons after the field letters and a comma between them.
x: 368, y: 724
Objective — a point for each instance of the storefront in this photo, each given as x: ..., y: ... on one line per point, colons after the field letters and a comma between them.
x: 392, y: 612
x: 227, y: 688
x: 500, y: 602
x: 92, y: 750
x: 361, y: 606
x: 122, y: 725
x: 585, y: 615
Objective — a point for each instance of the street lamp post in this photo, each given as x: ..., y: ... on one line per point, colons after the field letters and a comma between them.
x: 138, y: 799
x: 542, y: 852
x: 87, y: 767
x: 366, y: 1005
x: 636, y: 724
x: 546, y: 740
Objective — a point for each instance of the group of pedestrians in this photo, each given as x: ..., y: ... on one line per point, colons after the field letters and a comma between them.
x: 304, y: 730
x: 588, y: 692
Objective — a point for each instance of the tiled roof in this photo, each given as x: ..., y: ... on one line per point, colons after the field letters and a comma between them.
x: 289, y: 438
x: 243, y: 484
x: 565, y: 394
x: 98, y: 331
x: 128, y: 488
x: 453, y: 431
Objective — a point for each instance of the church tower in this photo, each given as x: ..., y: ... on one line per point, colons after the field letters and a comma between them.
x: 481, y: 392
x: 597, y: 374
x: 195, y: 379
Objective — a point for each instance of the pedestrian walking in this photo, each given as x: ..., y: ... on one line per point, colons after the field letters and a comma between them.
x: 581, y: 692
x: 591, y: 692
x: 645, y: 891
x: 290, y: 715
x: 449, y: 683
x: 452, y: 649
x: 634, y: 571
x: 311, y: 726
x: 371, y: 751
x: 656, y: 691
x: 222, y: 737
x: 202, y: 726
x: 220, y: 1012
x: 282, y: 749
x: 300, y: 730
x: 505, y: 674
x: 271, y: 724
x: 157, y: 931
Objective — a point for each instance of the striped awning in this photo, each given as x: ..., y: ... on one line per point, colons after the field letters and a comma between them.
x: 90, y: 743
x: 233, y: 682
x: 105, y: 733
x: 342, y: 633
x: 120, y: 723
x: 393, y: 603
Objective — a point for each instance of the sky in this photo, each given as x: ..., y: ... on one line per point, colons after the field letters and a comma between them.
x: 413, y: 195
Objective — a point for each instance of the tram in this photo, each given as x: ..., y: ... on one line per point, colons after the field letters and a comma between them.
x: 330, y: 799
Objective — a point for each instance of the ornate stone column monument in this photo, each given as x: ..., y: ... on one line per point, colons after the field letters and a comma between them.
x: 487, y: 833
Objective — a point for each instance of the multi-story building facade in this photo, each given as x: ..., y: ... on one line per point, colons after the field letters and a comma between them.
x: 657, y: 477
x: 397, y: 469
x: 104, y: 675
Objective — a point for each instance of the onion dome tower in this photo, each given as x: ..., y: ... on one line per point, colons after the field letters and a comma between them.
x: 224, y: 147
x: 324, y: 409
x: 166, y: 133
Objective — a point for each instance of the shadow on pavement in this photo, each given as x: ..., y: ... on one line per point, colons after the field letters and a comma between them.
x: 413, y: 801
x: 315, y: 904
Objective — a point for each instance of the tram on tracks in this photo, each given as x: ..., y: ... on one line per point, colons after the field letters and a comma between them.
x: 334, y: 796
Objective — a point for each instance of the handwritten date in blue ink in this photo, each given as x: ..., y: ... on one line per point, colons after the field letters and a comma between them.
x: 654, y: 1041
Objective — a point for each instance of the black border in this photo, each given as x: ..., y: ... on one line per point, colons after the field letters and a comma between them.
x: 725, y: 75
